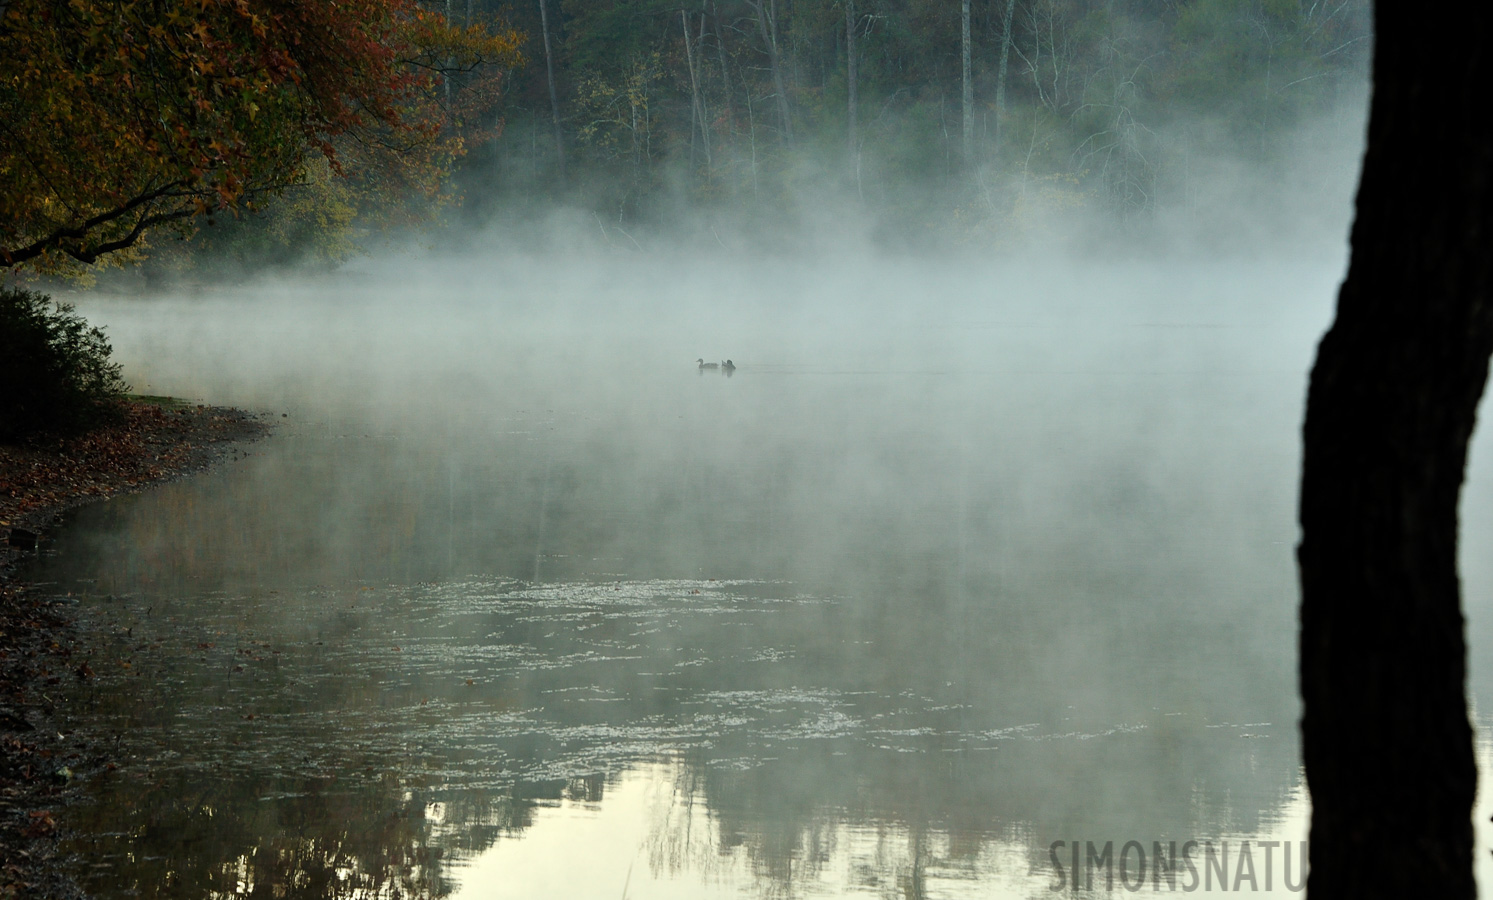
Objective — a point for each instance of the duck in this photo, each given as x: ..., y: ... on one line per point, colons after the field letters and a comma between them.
x: 728, y: 367
x: 706, y: 365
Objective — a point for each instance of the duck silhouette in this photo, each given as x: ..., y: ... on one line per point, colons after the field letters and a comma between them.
x: 706, y: 365
x: 728, y: 367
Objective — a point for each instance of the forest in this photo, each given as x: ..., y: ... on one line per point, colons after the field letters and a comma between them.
x: 964, y: 118
x: 929, y: 124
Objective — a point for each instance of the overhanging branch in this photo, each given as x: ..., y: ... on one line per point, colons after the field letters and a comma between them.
x: 79, y: 232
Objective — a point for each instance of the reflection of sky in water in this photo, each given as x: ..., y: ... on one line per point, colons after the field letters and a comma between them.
x: 518, y: 600
x: 651, y: 837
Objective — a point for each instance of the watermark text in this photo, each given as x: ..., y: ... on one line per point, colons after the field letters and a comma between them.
x: 1189, y: 866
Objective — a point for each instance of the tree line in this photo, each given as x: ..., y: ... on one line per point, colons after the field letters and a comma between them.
x: 278, y: 131
x: 932, y: 106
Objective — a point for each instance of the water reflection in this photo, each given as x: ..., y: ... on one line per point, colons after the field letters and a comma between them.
x: 370, y: 705
x: 878, y: 615
x: 654, y: 838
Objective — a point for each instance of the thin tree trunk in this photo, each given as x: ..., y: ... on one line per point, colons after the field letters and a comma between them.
x: 767, y: 21
x: 694, y: 90
x: 549, y: 69
x: 967, y: 94
x: 720, y: 51
x: 697, y: 104
x: 637, y: 147
x: 752, y: 136
x: 699, y: 68
x: 705, y: 111
x: 850, y: 82
x: 1390, y: 413
x: 1000, y: 80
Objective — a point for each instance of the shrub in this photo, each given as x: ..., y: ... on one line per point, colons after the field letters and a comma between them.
x: 55, y: 373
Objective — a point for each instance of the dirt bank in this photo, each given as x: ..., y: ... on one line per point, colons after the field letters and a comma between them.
x: 157, y: 440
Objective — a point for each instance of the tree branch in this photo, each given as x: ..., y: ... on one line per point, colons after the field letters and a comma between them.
x: 54, y: 241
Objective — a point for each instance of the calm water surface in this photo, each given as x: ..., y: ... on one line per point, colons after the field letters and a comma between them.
x: 517, y: 602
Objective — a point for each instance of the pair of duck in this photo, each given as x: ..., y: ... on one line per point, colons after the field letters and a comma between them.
x: 727, y: 366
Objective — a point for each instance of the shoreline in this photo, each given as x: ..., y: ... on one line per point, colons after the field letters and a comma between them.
x: 158, y: 440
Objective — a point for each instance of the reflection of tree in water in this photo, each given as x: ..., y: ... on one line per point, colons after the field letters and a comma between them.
x: 941, y: 740
x: 939, y: 745
x: 219, y: 837
x: 979, y: 655
x: 939, y: 801
x: 674, y: 844
x: 313, y: 838
x: 238, y: 806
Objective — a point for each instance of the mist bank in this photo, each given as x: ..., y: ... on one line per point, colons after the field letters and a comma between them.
x: 1295, y: 205
x: 1036, y: 519
x: 966, y: 414
x: 1211, y: 195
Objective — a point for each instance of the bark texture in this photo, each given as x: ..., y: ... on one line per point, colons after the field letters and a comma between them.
x: 1390, y: 413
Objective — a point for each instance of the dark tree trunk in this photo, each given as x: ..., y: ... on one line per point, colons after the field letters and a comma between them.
x: 1390, y: 413
x: 549, y: 69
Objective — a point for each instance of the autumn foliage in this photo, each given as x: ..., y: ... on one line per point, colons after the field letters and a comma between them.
x: 120, y: 116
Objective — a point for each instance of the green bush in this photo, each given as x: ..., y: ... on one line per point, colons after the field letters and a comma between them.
x: 55, y: 373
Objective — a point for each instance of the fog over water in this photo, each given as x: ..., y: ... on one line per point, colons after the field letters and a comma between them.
x: 964, y: 558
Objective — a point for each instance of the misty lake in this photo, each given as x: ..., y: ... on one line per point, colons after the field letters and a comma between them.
x: 962, y: 560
